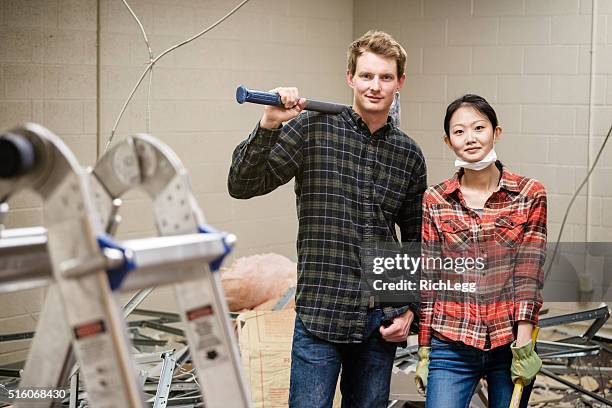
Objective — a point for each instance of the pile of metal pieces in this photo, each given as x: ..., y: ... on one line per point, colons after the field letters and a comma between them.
x: 98, y: 353
x: 576, y: 372
x: 160, y: 350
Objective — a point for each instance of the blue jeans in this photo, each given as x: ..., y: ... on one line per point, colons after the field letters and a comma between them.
x: 366, y: 368
x: 455, y: 370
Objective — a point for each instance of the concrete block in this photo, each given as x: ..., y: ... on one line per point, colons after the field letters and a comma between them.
x: 605, y: 160
x: 547, y: 119
x: 69, y: 81
x: 289, y: 30
x: 32, y: 14
x: 570, y: 89
x: 90, y: 117
x: 558, y: 59
x: 425, y: 88
x: 603, y: 7
x: 13, y: 113
x: 411, y: 114
x: 279, y: 7
x: 607, y: 212
x: 483, y: 85
x: 557, y: 179
x: 423, y: 33
x: 17, y: 44
x: 174, y: 20
x: 208, y: 178
x: 414, y: 61
x: 217, y: 207
x: 63, y: 117
x: 83, y: 147
x: 137, y: 215
x: 447, y: 60
x: 601, y: 119
x: 603, y: 61
x: 473, y: 31
x: 551, y: 7
x: 432, y: 116
x: 78, y: 15
x: 568, y: 150
x: 333, y: 10
x: 497, y: 60
x: 118, y: 82
x: 115, y: 48
x: 498, y: 8
x: 584, y: 59
x: 64, y: 47
x: 23, y: 81
x: 577, y: 215
x: 523, y: 89
x: 323, y: 32
x: 447, y: 8
x: 509, y: 117
x: 116, y: 18
x: 432, y: 144
x: 2, y: 87
x: 577, y: 29
x: 398, y: 10
x: 516, y: 149
x: 524, y: 30
x: 363, y: 10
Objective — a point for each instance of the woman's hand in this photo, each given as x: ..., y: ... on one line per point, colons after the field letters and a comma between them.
x: 422, y: 369
x: 523, y: 333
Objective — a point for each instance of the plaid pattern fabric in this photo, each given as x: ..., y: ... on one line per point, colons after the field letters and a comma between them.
x: 510, y: 237
x: 351, y: 188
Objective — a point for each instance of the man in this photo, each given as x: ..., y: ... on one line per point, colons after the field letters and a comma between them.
x: 356, y: 177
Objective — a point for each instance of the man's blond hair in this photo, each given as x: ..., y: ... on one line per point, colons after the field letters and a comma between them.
x: 380, y: 43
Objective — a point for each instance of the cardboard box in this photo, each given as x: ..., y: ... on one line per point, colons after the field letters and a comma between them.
x: 265, y: 339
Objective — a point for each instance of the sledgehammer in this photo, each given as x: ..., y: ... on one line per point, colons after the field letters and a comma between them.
x: 243, y: 94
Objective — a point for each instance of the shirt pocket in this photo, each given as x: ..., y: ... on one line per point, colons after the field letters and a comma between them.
x: 509, y: 229
x: 456, y: 234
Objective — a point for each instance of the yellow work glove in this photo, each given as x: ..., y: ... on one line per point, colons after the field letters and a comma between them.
x: 525, y: 363
x: 422, y: 370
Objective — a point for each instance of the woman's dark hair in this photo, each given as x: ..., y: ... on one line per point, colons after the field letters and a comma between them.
x: 477, y: 102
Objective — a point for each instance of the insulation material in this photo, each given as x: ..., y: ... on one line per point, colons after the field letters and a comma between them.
x: 265, y: 339
x: 251, y: 281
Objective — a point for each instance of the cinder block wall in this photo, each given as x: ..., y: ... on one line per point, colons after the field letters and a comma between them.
x: 50, y: 70
x: 531, y: 60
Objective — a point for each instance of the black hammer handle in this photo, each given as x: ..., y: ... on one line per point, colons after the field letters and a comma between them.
x: 269, y: 98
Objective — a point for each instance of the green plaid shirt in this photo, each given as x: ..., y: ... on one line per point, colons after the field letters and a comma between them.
x: 351, y: 188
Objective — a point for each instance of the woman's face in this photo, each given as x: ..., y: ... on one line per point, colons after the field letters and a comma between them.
x: 471, y: 134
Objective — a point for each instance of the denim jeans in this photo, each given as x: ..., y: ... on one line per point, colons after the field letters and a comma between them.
x: 455, y: 370
x: 366, y: 368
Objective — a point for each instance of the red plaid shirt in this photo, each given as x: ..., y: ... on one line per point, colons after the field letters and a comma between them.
x: 510, y: 236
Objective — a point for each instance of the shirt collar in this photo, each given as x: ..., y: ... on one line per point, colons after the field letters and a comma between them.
x: 507, y: 180
x: 360, y: 124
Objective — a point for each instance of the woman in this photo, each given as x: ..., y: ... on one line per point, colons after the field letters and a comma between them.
x: 498, y: 219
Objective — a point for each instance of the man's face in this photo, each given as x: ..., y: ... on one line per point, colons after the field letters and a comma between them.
x: 374, y: 83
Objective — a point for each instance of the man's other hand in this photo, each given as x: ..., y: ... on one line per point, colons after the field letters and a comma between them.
x: 397, y: 331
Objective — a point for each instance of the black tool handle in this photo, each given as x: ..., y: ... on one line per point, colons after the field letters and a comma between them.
x: 243, y: 94
x: 16, y: 155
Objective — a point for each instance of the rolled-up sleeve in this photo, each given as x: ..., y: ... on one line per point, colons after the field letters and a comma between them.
x: 529, y: 267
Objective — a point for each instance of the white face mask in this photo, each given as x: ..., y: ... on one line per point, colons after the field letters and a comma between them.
x: 490, y: 158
